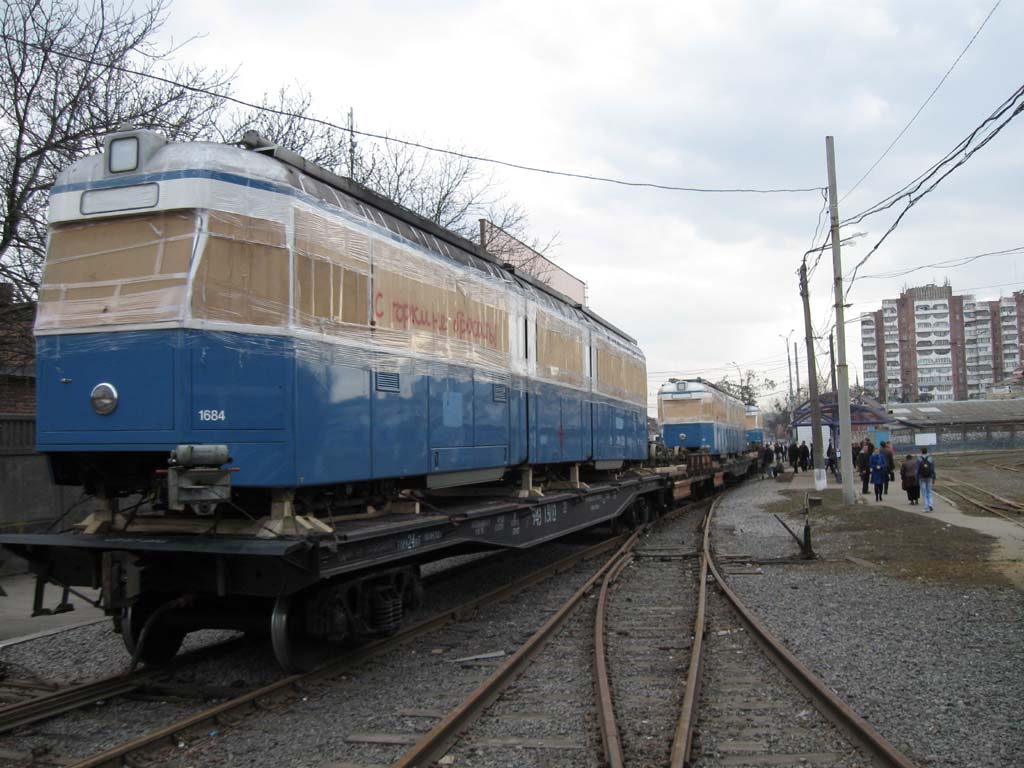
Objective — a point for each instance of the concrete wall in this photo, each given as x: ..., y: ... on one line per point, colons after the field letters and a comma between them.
x: 29, y: 501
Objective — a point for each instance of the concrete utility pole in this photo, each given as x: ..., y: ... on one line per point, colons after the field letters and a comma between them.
x: 832, y: 360
x: 842, y: 371
x: 820, y: 479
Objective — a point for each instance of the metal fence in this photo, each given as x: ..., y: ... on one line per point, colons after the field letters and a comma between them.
x: 17, y: 434
x: 969, y: 437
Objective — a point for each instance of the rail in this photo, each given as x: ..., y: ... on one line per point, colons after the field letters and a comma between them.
x: 825, y: 701
x: 122, y: 754
x: 435, y: 744
x: 57, y: 702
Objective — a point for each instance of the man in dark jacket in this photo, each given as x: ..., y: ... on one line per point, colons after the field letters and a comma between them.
x: 805, y: 454
x: 890, y: 463
x: 863, y: 465
x: 794, y: 457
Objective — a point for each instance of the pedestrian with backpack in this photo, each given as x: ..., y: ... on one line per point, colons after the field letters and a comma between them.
x: 926, y: 478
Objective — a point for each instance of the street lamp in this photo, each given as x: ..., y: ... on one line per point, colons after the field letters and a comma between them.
x: 789, y: 366
x: 789, y: 360
x: 739, y: 374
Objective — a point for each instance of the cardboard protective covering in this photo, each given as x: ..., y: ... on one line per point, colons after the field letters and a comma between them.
x: 683, y: 411
x: 440, y: 310
x: 332, y: 274
x: 559, y: 350
x: 251, y: 259
x: 707, y: 405
x: 243, y: 273
x: 117, y: 271
x: 621, y: 373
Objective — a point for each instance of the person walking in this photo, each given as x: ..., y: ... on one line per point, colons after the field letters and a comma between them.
x: 926, y: 478
x: 890, y: 463
x: 830, y: 458
x: 805, y: 454
x: 766, y: 462
x: 794, y: 457
x: 908, y: 478
x: 879, y: 472
x: 864, y: 466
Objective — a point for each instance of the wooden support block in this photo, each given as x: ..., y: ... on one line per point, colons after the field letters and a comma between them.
x: 282, y: 505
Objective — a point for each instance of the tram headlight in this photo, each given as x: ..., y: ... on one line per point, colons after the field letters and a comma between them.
x: 104, y: 399
x: 123, y: 154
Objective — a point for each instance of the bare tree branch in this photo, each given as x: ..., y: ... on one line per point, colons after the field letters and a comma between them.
x: 55, y: 108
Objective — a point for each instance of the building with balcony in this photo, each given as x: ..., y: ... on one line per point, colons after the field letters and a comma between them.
x: 932, y: 345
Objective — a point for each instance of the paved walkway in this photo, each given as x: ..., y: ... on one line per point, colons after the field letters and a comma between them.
x: 16, y: 609
x: 1009, y: 551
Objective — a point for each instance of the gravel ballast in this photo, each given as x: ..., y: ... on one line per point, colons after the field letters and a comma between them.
x: 931, y: 656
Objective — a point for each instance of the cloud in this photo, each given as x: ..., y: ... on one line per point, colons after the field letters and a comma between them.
x: 732, y: 93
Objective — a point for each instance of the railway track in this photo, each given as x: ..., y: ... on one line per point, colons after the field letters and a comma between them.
x: 997, y: 505
x: 649, y: 641
x: 629, y: 646
x: 231, y: 712
x: 44, y: 700
x: 652, y: 696
x: 751, y: 712
x: 667, y: 688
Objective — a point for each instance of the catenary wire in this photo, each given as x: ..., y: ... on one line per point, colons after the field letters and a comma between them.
x: 948, y: 264
x: 405, y: 142
x: 924, y: 104
x: 963, y: 147
x: 955, y: 159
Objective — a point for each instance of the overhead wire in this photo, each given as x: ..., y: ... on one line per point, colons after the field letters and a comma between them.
x: 924, y: 104
x: 404, y: 142
x: 828, y: 236
x: 961, y: 148
x: 947, y: 264
x: 930, y: 179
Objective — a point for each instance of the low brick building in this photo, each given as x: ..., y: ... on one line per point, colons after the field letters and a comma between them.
x: 28, y: 498
x: 17, y: 355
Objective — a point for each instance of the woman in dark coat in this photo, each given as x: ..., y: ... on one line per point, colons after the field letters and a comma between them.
x: 908, y: 474
x: 879, y: 472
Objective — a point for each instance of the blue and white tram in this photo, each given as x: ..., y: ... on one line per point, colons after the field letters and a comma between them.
x: 696, y: 415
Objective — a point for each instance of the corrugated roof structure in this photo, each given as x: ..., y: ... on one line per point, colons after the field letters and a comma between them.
x: 958, y: 412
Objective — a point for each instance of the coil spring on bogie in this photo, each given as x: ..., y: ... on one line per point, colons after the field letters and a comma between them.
x: 386, y: 608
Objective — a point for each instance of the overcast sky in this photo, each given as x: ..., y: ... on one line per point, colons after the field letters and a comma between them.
x: 714, y: 94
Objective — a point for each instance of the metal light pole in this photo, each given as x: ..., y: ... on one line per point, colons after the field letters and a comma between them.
x: 789, y: 365
x: 812, y: 384
x: 796, y: 356
x: 842, y: 371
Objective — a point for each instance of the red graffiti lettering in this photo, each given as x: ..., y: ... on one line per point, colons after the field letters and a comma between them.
x: 407, y: 315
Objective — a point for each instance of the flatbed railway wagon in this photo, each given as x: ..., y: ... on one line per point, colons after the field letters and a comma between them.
x: 285, y: 393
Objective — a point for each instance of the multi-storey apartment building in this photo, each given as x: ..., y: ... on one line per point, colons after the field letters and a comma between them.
x: 934, y: 345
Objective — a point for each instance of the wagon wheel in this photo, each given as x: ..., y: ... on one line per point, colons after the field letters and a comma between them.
x: 162, y: 642
x: 295, y: 649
